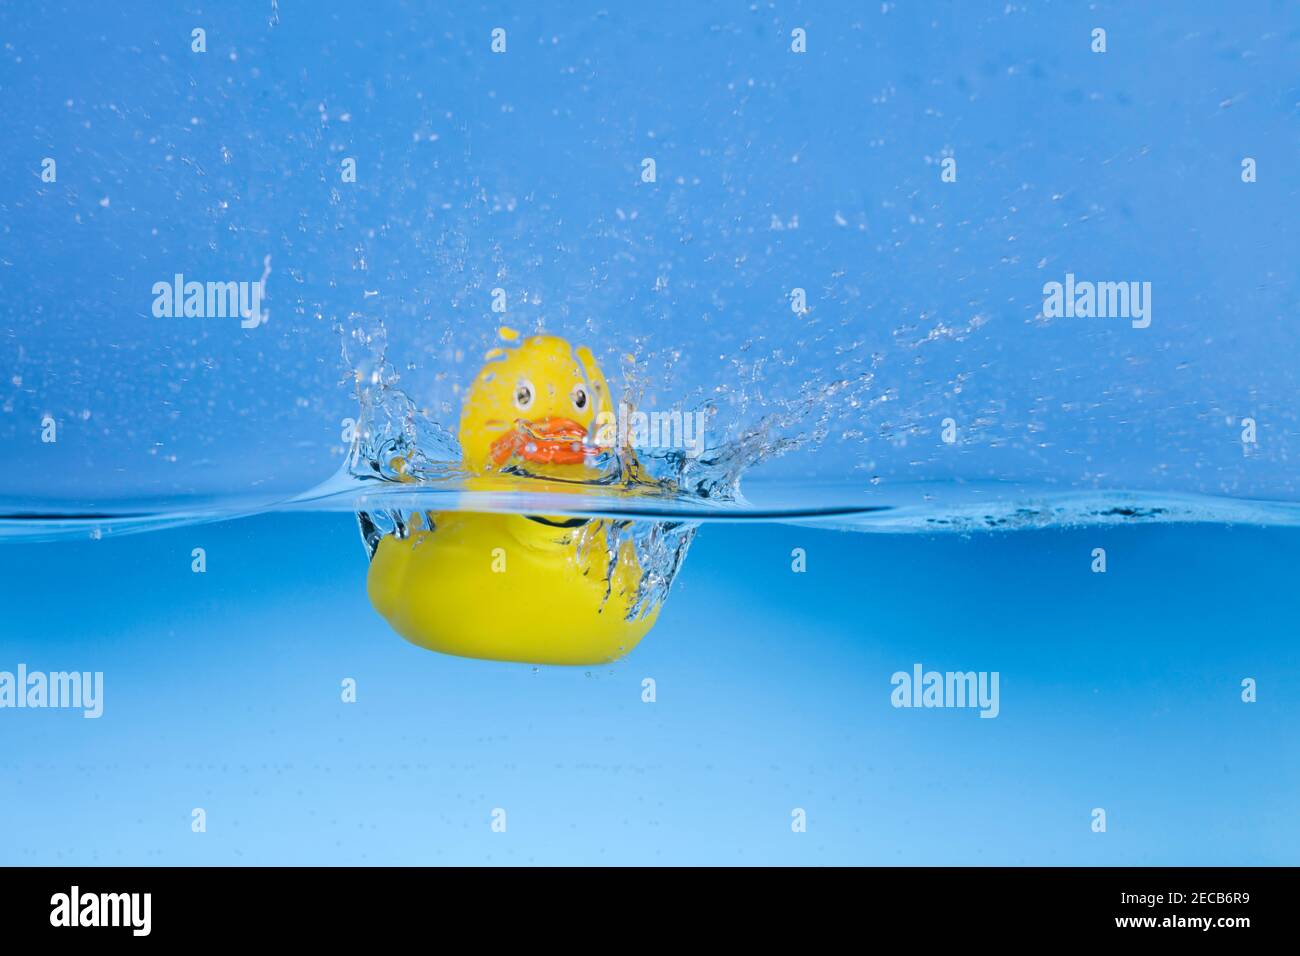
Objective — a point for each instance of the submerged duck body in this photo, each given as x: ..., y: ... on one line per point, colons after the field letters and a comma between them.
x: 507, y: 587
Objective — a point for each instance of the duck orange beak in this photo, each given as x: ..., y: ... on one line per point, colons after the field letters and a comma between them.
x: 551, y: 441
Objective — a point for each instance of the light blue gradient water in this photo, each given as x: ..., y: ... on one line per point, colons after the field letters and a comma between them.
x: 1119, y: 691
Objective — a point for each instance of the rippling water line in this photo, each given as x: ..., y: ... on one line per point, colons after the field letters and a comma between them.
x: 898, y: 509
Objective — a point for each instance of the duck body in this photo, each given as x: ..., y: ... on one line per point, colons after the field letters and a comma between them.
x: 511, y: 588
x: 507, y: 587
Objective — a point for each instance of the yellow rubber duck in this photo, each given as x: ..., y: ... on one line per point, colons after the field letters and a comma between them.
x: 529, y: 588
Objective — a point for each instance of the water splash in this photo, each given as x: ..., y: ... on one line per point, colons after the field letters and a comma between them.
x: 401, y: 444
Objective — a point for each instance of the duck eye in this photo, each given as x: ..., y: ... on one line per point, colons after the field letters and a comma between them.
x: 523, y: 396
x: 579, y: 397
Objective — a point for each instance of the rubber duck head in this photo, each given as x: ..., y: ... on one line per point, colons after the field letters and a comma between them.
x: 534, y: 403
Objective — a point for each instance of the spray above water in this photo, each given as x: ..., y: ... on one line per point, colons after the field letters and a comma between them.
x: 678, y: 457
